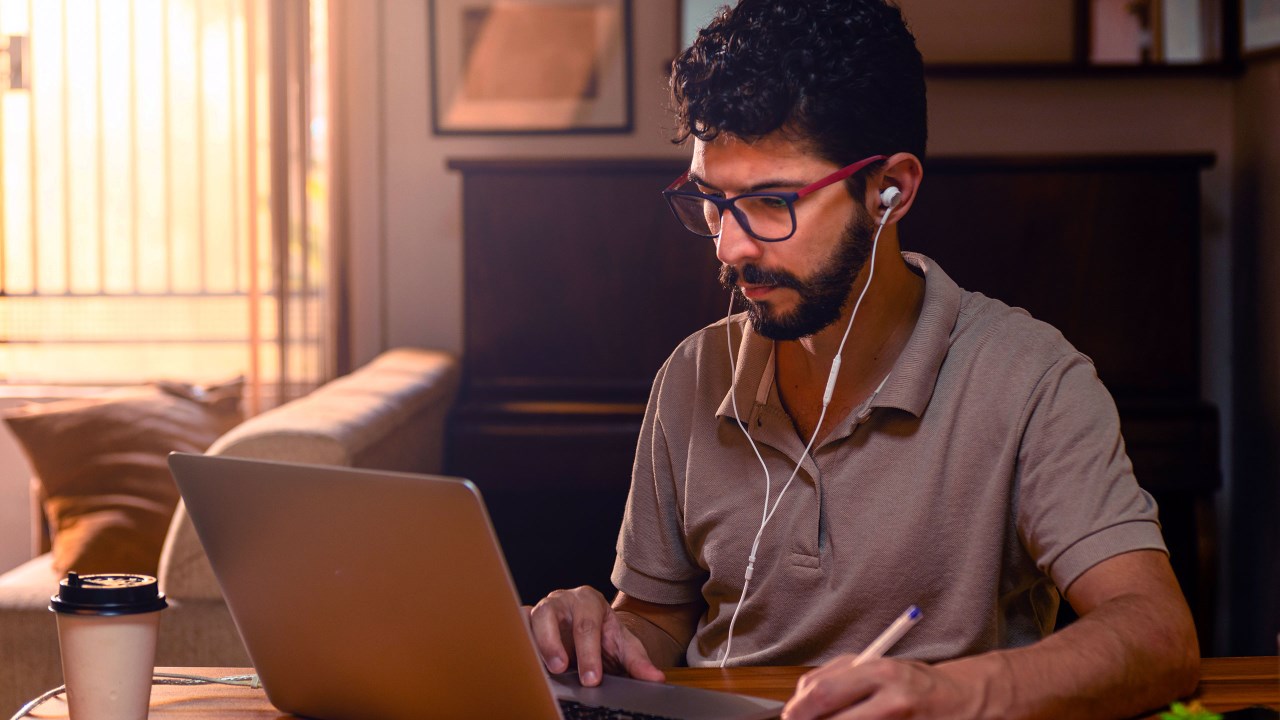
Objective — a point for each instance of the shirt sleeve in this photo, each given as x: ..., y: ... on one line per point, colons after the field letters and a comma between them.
x: 653, y: 563
x: 1078, y: 502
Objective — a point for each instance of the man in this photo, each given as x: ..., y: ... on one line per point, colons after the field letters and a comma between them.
x: 966, y: 459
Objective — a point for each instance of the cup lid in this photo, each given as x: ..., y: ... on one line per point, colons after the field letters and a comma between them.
x: 107, y: 594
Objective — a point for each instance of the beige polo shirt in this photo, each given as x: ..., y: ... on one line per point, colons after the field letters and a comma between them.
x: 987, y: 471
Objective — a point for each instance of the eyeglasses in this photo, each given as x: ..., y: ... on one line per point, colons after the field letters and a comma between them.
x: 765, y: 216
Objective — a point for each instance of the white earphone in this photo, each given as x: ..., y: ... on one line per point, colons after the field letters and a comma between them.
x: 890, y: 198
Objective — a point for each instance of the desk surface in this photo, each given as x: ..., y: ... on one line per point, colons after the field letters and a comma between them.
x: 1226, y: 684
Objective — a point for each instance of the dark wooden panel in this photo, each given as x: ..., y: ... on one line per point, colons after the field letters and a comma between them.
x: 1175, y: 454
x: 555, y: 479
x: 1108, y: 252
x: 579, y: 284
x: 578, y: 280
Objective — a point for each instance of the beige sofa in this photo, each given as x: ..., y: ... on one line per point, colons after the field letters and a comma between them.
x: 388, y: 414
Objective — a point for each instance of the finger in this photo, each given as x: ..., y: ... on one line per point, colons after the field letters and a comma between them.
x: 637, y: 663
x: 588, y: 617
x: 628, y: 652
x: 835, y: 685
x: 545, y: 621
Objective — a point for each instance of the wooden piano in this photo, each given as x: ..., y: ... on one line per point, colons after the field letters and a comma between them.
x: 578, y: 284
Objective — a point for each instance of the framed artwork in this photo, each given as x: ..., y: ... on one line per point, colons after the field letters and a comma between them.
x: 530, y: 66
x: 1260, y: 26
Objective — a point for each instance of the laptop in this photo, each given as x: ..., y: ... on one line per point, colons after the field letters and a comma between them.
x: 373, y: 594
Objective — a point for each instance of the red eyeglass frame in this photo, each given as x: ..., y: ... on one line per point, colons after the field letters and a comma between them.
x: 723, y: 204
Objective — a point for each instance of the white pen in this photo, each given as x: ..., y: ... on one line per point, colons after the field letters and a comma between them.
x: 891, y: 635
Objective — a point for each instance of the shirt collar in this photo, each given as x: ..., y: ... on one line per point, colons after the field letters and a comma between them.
x: 752, y: 358
x: 915, y: 374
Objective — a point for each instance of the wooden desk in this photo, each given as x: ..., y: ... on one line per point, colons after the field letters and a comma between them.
x: 1227, y: 684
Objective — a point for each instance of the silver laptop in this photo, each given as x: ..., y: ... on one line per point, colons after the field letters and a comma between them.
x: 372, y: 594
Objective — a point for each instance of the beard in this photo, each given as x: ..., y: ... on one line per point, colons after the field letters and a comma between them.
x: 822, y: 296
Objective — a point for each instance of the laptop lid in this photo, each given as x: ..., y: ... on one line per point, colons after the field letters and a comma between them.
x: 374, y: 594
x: 365, y: 594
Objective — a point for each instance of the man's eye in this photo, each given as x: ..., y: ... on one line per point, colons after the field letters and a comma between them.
x: 773, y: 203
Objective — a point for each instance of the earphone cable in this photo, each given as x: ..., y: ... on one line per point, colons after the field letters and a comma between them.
x: 764, y: 515
x: 826, y: 400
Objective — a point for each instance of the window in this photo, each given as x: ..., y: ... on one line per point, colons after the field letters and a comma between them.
x: 163, y: 203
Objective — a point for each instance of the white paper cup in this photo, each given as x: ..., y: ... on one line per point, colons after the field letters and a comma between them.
x: 107, y: 628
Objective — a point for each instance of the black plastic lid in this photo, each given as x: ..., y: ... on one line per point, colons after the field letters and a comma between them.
x: 107, y: 594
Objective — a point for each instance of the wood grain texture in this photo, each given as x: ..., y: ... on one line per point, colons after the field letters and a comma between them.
x: 1226, y: 684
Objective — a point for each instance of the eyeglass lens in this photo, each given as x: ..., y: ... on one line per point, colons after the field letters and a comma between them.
x: 767, y: 217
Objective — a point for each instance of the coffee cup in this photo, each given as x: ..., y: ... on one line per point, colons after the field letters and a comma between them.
x: 107, y: 626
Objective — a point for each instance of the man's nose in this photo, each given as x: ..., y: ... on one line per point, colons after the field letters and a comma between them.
x: 734, y: 245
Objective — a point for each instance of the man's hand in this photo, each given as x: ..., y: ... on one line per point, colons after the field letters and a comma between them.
x: 579, y: 626
x: 882, y: 689
x: 1133, y: 649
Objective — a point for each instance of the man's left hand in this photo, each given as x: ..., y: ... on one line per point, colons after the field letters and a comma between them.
x: 881, y: 689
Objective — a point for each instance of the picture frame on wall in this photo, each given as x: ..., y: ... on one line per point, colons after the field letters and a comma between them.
x: 530, y: 66
x: 1260, y: 27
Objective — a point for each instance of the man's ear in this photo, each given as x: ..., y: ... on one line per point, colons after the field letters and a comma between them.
x: 903, y: 171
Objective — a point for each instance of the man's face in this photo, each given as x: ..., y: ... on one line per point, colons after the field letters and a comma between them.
x: 822, y: 295
x: 796, y: 287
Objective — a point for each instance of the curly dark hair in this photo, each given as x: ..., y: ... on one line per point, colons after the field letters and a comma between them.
x: 843, y: 77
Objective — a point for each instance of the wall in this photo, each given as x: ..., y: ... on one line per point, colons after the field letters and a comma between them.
x: 1253, y: 573
x: 403, y: 207
x: 977, y: 31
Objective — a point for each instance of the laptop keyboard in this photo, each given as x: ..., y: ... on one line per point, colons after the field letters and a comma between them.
x: 577, y: 711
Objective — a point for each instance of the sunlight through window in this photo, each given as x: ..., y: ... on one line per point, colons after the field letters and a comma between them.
x: 136, y: 207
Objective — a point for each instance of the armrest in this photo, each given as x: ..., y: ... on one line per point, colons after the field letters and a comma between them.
x: 341, y: 420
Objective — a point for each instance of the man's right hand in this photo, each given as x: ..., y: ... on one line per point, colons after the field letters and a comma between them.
x: 579, y: 626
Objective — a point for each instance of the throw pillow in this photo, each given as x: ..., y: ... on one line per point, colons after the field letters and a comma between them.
x: 102, y: 467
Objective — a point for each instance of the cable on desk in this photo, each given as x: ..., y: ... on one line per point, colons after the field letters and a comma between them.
x: 250, y: 681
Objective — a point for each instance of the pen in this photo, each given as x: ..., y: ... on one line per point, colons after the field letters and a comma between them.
x: 891, y: 635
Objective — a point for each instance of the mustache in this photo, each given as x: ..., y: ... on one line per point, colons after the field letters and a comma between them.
x: 755, y: 275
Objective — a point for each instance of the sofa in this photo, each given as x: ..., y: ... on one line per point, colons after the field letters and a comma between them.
x: 389, y: 414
